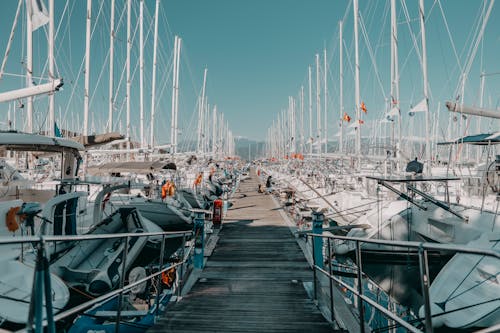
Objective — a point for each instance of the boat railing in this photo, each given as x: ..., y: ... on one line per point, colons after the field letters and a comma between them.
x: 422, y: 248
x: 40, y: 299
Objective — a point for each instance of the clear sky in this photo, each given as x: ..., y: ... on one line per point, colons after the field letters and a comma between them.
x: 257, y: 53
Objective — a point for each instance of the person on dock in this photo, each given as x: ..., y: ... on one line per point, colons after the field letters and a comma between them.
x: 268, y: 185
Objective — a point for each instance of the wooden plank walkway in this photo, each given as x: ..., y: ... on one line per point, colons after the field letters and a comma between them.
x: 252, y: 282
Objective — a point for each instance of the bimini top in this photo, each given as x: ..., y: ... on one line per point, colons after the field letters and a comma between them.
x: 13, y: 140
x: 133, y: 167
x: 478, y: 139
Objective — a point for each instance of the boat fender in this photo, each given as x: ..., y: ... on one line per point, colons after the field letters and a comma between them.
x: 136, y: 274
x: 13, y: 219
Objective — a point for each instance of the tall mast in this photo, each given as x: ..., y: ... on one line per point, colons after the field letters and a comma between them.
x: 29, y: 70
x: 87, y: 70
x: 395, y: 76
x: 129, y: 46
x: 356, y: 82
x: 172, y: 122
x: 201, y: 111
x: 141, y: 72
x: 214, y: 130
x: 111, y: 65
x: 325, y: 93
x: 426, y: 94
x: 310, y: 112
x: 51, y: 67
x: 153, y: 85
x: 175, y: 94
x: 318, y: 104
x: 341, y: 89
x: 302, y: 119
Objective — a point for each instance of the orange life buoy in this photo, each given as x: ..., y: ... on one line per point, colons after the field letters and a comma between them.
x: 12, y: 219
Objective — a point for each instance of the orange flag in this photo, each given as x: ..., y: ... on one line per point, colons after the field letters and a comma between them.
x: 346, y: 117
x: 363, y: 107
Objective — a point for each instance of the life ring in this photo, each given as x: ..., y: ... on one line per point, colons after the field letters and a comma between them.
x: 12, y: 219
x: 168, y: 277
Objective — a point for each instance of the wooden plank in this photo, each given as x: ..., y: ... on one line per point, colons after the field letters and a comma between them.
x: 252, y: 281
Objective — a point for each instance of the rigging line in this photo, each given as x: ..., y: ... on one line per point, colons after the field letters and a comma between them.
x: 61, y: 46
x: 478, y: 39
x: 449, y: 35
x: 11, y: 38
x: 80, y: 70
x: 412, y: 35
x: 372, y: 56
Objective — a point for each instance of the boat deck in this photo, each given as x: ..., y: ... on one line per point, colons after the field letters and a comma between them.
x: 253, y: 280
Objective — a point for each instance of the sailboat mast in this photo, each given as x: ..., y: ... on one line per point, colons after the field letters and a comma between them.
x: 29, y: 70
x: 175, y: 94
x: 426, y: 93
x: 318, y: 104
x: 395, y: 77
x: 201, y: 111
x: 302, y: 119
x: 129, y: 46
x: 50, y: 47
x: 141, y: 72
x: 325, y: 97
x: 111, y: 65
x: 87, y: 70
x: 341, y: 89
x: 310, y: 113
x: 214, y: 130
x: 172, y: 122
x: 153, y: 85
x: 356, y: 82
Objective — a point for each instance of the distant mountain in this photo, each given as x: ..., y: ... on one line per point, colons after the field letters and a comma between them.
x: 249, y: 149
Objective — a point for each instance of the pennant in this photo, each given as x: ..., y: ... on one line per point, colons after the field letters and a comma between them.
x: 361, y: 122
x: 346, y: 117
x: 420, y: 107
x: 38, y: 12
x: 363, y: 107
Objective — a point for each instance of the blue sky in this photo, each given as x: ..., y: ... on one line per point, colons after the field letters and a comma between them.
x: 257, y: 53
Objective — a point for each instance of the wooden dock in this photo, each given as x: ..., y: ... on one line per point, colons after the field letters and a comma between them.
x: 253, y: 280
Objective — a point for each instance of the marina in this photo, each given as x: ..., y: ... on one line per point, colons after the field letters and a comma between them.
x: 249, y: 166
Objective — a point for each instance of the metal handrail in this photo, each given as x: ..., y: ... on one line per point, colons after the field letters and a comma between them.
x: 416, y: 245
x: 32, y: 239
x: 422, y: 247
x: 42, y: 240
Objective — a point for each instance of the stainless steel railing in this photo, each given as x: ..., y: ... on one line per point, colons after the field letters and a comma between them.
x: 422, y: 248
x: 35, y: 322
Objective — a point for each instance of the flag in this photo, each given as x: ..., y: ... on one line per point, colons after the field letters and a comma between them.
x: 363, y: 107
x: 38, y: 12
x: 57, y: 132
x: 420, y: 107
x: 346, y: 117
x: 361, y: 122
